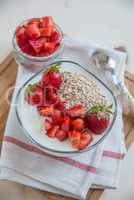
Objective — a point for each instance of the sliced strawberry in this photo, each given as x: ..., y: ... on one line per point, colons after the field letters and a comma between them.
x: 57, y: 119
x: 60, y: 104
x: 47, y: 124
x: 77, y: 110
x: 33, y: 31
x: 75, y: 138
x: 85, y: 139
x: 78, y: 124
x: 33, y: 99
x: 65, y: 126
x: 46, y: 111
x: 51, y: 93
x: 52, y: 132
x: 61, y: 135
x: 34, y: 95
x: 37, y: 45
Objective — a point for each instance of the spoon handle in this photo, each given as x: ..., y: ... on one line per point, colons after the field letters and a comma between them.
x: 127, y: 101
x: 126, y: 98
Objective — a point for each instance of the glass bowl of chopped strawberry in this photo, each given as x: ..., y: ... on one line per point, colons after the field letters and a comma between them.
x: 37, y: 42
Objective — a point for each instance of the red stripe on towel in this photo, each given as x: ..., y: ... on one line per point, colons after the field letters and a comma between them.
x: 112, y: 154
x: 34, y: 149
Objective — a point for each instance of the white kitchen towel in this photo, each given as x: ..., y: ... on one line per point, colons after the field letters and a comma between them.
x: 23, y: 162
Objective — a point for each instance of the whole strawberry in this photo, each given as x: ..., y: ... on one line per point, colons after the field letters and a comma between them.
x: 98, y: 118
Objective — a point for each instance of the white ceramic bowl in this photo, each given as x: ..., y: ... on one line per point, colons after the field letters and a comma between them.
x: 30, y: 121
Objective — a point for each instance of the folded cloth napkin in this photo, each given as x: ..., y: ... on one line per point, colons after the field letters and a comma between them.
x: 23, y: 162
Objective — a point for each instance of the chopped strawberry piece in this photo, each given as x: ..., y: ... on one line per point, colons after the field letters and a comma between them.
x: 27, y: 49
x: 37, y: 45
x: 57, y: 119
x: 65, y: 126
x: 75, y: 138
x: 21, y: 36
x: 61, y: 135
x: 46, y: 21
x: 55, y: 37
x: 78, y: 124
x: 85, y: 139
x: 35, y: 21
x: 77, y: 110
x: 52, y: 132
x: 47, y: 124
x: 33, y: 31
x: 60, y: 104
x: 46, y: 32
x: 49, y: 46
x: 46, y: 111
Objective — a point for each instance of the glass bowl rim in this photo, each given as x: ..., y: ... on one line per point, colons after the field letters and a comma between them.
x: 88, y: 148
x: 36, y: 58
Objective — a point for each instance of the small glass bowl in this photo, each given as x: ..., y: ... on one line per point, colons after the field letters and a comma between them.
x: 35, y: 63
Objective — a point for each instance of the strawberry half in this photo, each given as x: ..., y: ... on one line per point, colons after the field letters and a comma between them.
x: 52, y: 77
x: 34, y: 95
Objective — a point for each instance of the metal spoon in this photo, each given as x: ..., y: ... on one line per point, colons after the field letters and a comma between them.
x: 101, y: 59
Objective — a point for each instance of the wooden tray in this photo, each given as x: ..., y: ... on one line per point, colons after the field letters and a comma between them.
x: 8, y: 71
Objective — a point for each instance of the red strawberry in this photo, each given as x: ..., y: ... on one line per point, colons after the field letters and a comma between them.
x: 52, y: 77
x: 37, y: 45
x: 51, y: 93
x: 46, y: 111
x: 78, y: 124
x: 60, y: 104
x: 55, y: 37
x: 34, y: 95
x: 85, y: 139
x: 46, y: 21
x: 61, y: 135
x: 56, y: 117
x: 35, y: 21
x: 21, y: 36
x: 65, y: 126
x: 47, y: 124
x: 77, y: 110
x: 49, y: 47
x: 75, y: 138
x: 52, y: 132
x: 98, y: 118
x: 33, y: 31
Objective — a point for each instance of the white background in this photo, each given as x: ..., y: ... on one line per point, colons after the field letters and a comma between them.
x: 108, y: 22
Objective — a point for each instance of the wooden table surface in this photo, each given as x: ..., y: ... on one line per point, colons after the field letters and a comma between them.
x: 8, y: 71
